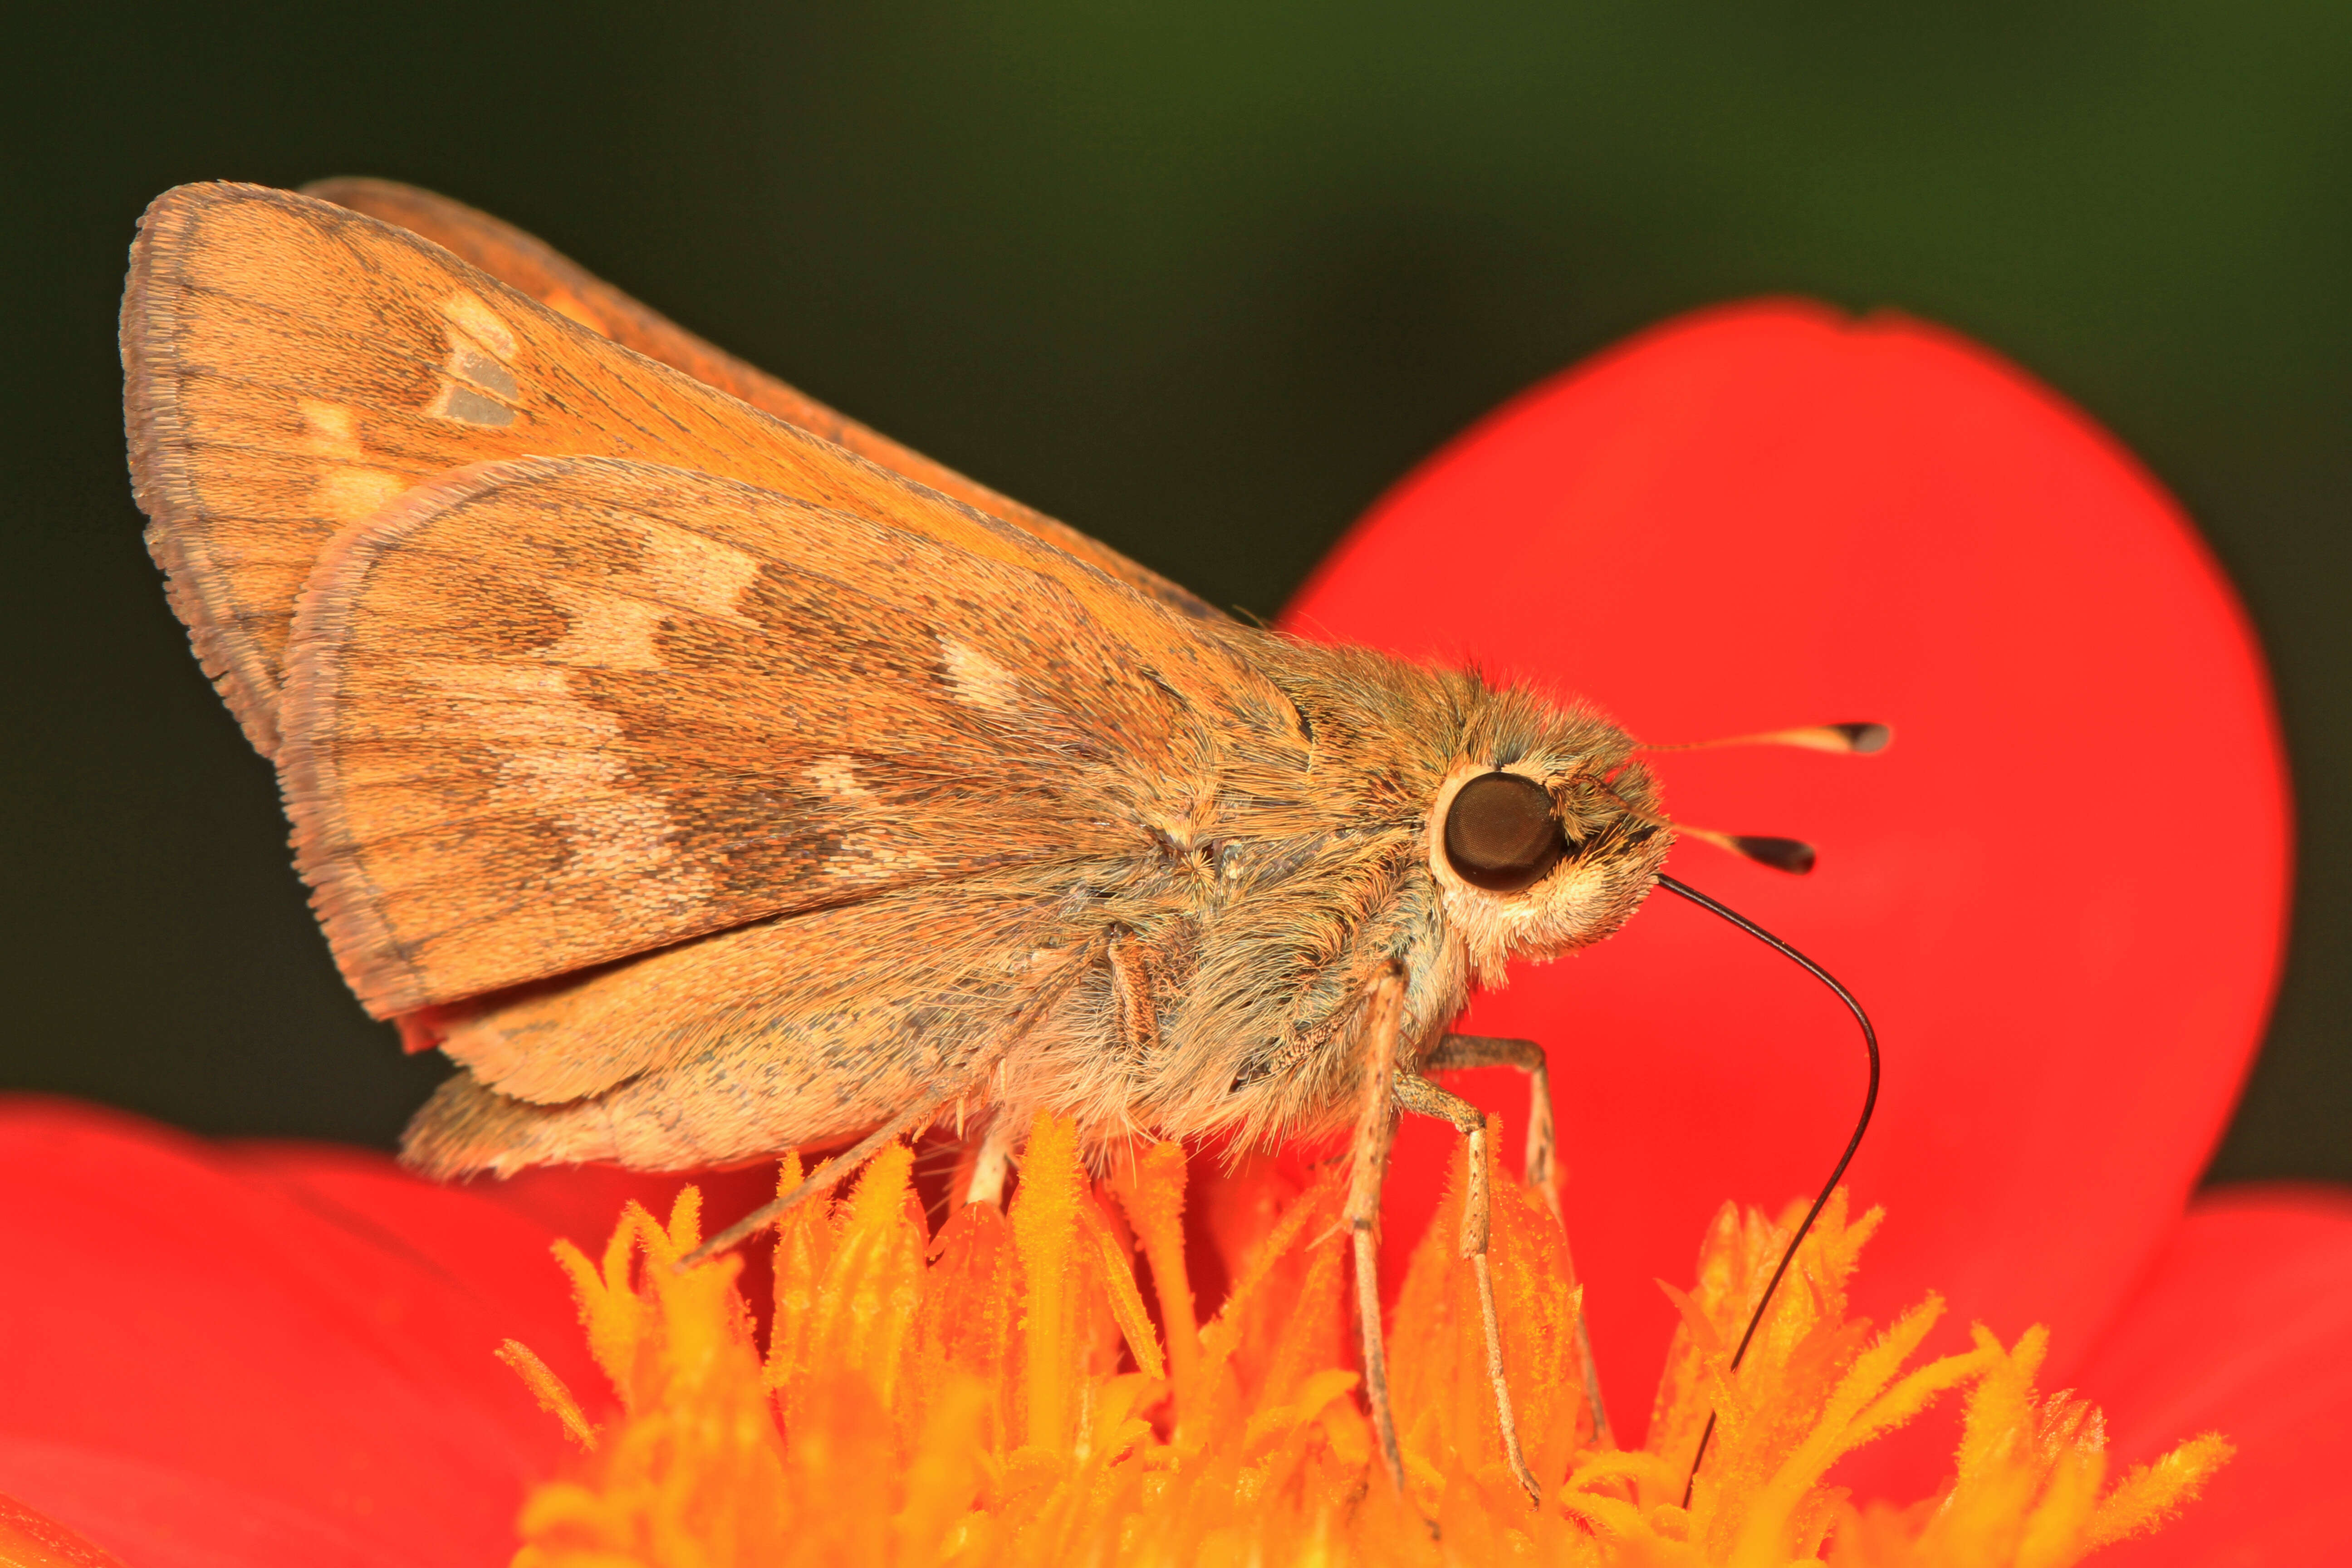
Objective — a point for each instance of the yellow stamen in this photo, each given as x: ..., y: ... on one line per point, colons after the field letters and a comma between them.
x: 963, y: 1399
x: 549, y: 1390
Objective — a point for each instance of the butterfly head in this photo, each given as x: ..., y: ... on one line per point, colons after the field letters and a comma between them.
x: 1541, y: 850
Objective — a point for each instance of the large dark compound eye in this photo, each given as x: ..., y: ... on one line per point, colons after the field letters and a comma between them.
x: 1500, y: 834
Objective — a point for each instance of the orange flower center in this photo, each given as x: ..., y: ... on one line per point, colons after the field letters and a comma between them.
x: 1004, y: 1393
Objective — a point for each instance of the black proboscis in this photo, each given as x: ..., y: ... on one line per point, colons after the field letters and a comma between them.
x: 1861, y: 1125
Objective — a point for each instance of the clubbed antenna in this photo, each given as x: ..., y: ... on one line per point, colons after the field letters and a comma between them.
x: 1859, y: 739
x: 1793, y: 855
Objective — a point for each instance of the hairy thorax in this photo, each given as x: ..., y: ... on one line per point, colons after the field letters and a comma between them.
x: 1235, y: 953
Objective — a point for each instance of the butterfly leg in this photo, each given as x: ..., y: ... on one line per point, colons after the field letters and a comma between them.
x: 1455, y: 1052
x: 824, y: 1179
x: 993, y: 1163
x: 1423, y: 1098
x: 1375, y: 1128
x: 1458, y: 1051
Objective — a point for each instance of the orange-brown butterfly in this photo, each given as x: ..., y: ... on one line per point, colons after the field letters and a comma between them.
x: 709, y: 776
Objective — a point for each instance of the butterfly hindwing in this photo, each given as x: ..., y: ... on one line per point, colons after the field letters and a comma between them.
x: 795, y: 1031
x: 548, y: 714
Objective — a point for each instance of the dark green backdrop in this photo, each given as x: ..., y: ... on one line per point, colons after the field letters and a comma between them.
x: 1201, y: 278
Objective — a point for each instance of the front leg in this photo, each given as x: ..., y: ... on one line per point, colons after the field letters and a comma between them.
x: 1423, y: 1098
x: 1456, y: 1052
x: 1384, y: 1038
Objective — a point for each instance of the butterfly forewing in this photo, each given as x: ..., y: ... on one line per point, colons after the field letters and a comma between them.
x: 531, y: 267
x: 293, y: 367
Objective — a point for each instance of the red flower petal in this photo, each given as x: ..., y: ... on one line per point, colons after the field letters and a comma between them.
x: 2244, y: 1326
x: 266, y: 1358
x: 2061, y: 893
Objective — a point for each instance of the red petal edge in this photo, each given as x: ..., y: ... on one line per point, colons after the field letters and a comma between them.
x: 274, y: 1354
x: 2244, y: 1327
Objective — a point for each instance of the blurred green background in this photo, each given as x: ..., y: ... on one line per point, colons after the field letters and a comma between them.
x: 1201, y: 279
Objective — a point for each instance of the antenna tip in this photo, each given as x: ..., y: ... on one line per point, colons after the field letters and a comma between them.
x: 1793, y: 855
x: 1864, y: 738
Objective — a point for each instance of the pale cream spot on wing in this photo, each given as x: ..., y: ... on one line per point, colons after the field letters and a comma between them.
x: 465, y: 310
x: 613, y: 627
x: 349, y: 495
x: 622, y: 839
x: 607, y: 631
x: 515, y: 702
x: 979, y: 681
x: 563, y: 766
x: 836, y: 777
x: 696, y: 571
x: 863, y: 857
x: 330, y: 429
x: 348, y: 487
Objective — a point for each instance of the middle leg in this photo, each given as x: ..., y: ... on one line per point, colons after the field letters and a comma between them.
x: 1455, y: 1052
x: 1425, y: 1098
x: 1375, y: 1128
x: 991, y: 1164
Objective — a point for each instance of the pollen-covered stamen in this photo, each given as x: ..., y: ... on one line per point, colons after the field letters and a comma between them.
x: 926, y: 1399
